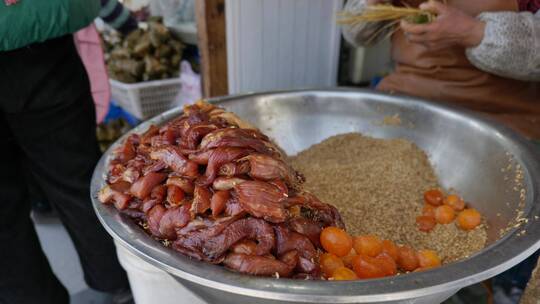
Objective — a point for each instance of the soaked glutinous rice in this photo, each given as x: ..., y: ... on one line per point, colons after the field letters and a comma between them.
x: 378, y: 186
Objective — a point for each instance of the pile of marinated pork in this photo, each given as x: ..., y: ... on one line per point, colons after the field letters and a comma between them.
x: 218, y: 190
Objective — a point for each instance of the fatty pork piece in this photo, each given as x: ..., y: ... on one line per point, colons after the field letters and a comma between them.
x: 271, y: 202
x: 194, y: 135
x: 267, y: 168
x: 191, y: 237
x: 239, y: 138
x: 262, y: 200
x: 211, y: 242
x: 287, y: 241
x: 173, y: 158
x: 262, y: 265
x: 108, y: 195
x: 295, y: 253
x: 218, y: 158
x: 234, y: 169
x: 143, y: 186
x: 163, y: 222
x: 312, y: 208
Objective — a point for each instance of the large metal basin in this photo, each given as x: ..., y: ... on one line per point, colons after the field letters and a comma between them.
x: 469, y: 154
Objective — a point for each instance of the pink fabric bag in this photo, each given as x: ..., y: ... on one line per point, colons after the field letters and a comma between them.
x: 89, y: 47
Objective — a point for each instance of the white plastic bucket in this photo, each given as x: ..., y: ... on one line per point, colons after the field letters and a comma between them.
x: 151, y: 285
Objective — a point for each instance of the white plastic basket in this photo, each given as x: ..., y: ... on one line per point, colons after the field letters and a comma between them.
x: 146, y: 99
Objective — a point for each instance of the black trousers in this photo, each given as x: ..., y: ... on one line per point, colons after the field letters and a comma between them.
x: 47, y: 124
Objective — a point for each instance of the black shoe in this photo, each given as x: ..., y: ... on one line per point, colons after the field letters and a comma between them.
x: 123, y: 296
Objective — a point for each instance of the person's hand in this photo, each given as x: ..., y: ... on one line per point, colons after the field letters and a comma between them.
x: 450, y: 28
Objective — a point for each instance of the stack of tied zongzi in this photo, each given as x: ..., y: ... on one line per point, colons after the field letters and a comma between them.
x: 145, y: 54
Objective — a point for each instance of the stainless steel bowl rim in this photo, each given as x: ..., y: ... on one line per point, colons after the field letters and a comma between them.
x: 494, y: 259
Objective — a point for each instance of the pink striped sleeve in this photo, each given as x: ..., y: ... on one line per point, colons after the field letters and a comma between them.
x: 89, y: 47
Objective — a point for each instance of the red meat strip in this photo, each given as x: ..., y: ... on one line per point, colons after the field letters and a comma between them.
x: 191, y: 238
x: 156, y: 197
x: 308, y: 266
x: 201, y: 157
x: 234, y: 169
x: 130, y: 175
x: 154, y: 167
x: 267, y: 168
x: 262, y: 200
x: 219, y: 157
x: 126, y: 151
x: 218, y: 202
x: 325, y: 214
x: 115, y: 172
x: 175, y: 195
x: 174, y: 218
x: 148, y: 204
x: 290, y: 258
x: 134, y: 214
x: 201, y: 200
x: 248, y: 228
x: 281, y: 186
x: 195, y: 115
x: 108, y: 195
x: 183, y: 183
x: 154, y: 217
x: 287, y: 240
x: 144, y: 185
x: 174, y: 159
x: 226, y: 183
x: 147, y: 136
x: 120, y: 186
x: 257, y: 265
x: 308, y: 228
x: 246, y: 247
x: 159, y: 193
x: 233, y: 207
x: 238, y: 138
x: 169, y: 135
x: 194, y: 135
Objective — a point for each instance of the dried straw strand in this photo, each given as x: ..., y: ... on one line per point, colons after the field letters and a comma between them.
x: 385, y: 12
x: 392, y: 25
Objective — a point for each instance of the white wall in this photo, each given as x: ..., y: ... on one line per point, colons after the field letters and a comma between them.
x: 282, y: 44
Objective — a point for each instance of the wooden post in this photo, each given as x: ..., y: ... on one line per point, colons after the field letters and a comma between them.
x: 212, y: 43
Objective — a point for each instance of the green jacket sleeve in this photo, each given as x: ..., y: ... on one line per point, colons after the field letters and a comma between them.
x: 31, y: 21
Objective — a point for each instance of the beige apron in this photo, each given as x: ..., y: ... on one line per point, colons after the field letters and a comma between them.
x: 448, y: 76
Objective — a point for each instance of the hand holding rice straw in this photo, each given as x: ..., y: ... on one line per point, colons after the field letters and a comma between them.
x: 389, y: 14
